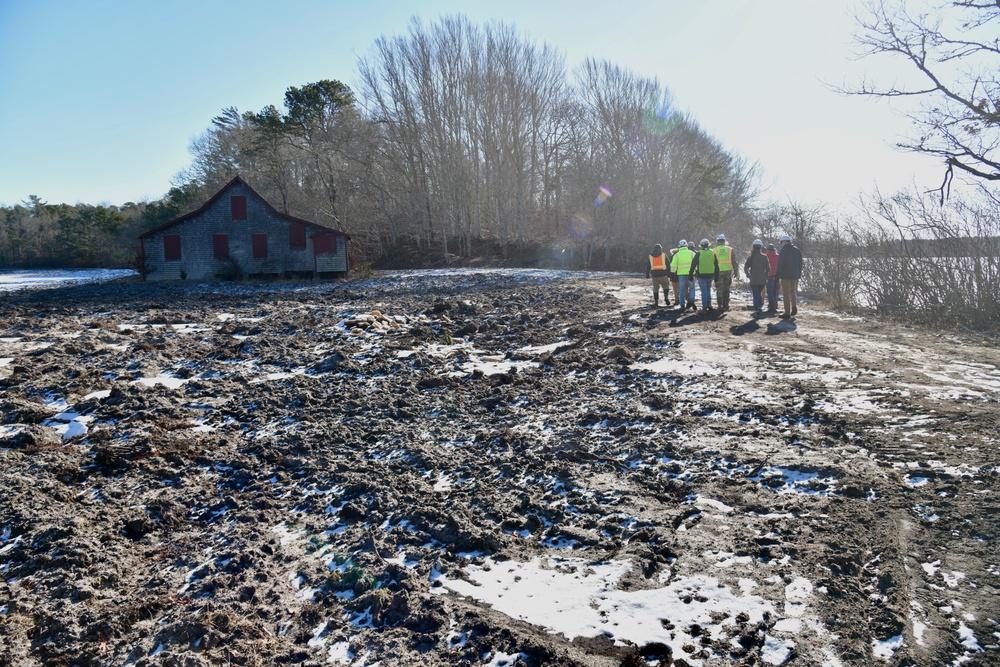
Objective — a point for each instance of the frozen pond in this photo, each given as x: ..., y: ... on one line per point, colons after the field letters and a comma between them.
x: 12, y: 281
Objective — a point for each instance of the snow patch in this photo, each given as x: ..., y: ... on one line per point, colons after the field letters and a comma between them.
x: 578, y: 598
x: 885, y: 648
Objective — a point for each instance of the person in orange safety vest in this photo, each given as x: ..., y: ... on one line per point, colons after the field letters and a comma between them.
x: 659, y: 270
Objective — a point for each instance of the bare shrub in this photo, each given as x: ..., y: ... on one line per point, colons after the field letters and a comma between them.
x: 932, y: 261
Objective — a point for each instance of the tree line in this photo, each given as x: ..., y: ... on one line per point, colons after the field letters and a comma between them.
x: 467, y: 143
x: 37, y: 234
x: 462, y: 142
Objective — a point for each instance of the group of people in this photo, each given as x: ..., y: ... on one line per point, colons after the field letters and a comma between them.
x: 687, y: 264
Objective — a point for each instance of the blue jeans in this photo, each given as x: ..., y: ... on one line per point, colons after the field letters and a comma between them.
x: 705, y: 285
x: 687, y: 286
x: 757, y: 292
x: 772, y: 293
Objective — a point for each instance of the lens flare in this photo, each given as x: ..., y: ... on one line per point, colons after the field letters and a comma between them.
x: 602, y: 196
x: 580, y: 226
x: 658, y: 118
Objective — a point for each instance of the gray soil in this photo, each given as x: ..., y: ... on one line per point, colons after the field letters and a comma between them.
x: 254, y: 510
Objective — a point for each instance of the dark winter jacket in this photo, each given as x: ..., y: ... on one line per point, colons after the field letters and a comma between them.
x: 789, y: 262
x: 756, y: 267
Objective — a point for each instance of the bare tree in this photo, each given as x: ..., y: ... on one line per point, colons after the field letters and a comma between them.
x: 270, y: 154
x: 472, y: 140
x: 466, y: 113
x: 949, y: 255
x: 218, y: 152
x: 806, y: 224
x: 669, y: 178
x: 953, y: 54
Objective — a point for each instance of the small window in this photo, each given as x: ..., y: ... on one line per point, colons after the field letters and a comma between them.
x: 325, y: 244
x: 239, y: 206
x: 171, y: 247
x: 220, y: 246
x: 259, y: 242
x: 297, y: 236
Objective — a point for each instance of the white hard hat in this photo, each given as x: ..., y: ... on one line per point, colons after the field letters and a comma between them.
x: 758, y: 242
x: 704, y: 241
x: 785, y: 237
x: 720, y: 237
x: 682, y: 243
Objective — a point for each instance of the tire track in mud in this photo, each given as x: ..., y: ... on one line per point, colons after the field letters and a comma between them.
x: 912, y: 608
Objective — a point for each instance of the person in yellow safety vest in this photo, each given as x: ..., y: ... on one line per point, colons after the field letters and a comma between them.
x: 660, y: 272
x: 707, y: 268
x: 727, y: 271
x: 673, y: 278
x: 683, y: 265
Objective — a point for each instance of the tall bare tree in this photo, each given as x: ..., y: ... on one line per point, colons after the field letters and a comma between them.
x: 469, y: 139
x: 470, y: 114
x: 951, y: 54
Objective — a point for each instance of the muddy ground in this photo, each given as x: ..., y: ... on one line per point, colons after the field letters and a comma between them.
x: 321, y: 473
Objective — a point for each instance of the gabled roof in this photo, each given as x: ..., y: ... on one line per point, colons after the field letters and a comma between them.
x: 276, y: 212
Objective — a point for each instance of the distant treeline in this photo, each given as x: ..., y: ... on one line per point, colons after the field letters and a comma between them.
x: 36, y: 234
x: 466, y: 144
x: 947, y: 247
x: 460, y: 138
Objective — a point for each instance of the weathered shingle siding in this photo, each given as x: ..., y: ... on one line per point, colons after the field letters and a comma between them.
x: 335, y: 261
x: 197, y: 250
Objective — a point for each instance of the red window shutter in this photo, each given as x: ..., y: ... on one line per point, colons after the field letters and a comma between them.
x: 297, y: 236
x: 239, y: 206
x: 220, y: 246
x: 259, y: 246
x: 325, y: 244
x: 171, y: 247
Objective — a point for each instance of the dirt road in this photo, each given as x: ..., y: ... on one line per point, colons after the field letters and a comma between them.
x: 488, y: 468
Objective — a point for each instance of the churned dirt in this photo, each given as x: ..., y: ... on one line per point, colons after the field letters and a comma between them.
x: 341, y: 473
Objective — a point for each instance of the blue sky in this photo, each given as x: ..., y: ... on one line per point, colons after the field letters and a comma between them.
x: 99, y: 100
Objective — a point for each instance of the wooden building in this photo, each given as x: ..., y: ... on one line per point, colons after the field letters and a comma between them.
x: 238, y: 234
